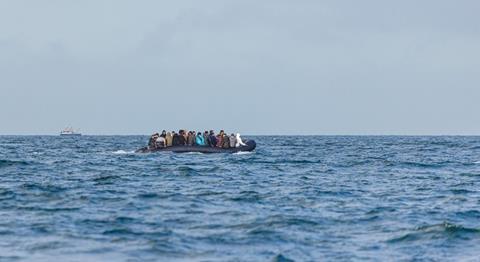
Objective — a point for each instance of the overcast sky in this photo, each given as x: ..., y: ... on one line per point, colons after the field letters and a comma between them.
x: 258, y: 67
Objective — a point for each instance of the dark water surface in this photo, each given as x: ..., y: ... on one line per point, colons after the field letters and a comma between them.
x: 303, y: 199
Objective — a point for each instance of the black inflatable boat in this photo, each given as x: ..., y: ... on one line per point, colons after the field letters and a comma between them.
x: 250, y: 146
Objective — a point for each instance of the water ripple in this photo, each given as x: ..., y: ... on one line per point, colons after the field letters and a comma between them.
x: 293, y: 199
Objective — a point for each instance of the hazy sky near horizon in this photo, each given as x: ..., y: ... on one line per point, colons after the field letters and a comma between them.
x: 258, y: 67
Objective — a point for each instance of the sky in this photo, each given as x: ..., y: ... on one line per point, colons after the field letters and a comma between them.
x: 334, y: 67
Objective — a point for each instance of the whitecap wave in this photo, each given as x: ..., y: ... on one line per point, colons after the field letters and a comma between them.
x: 243, y: 153
x: 193, y: 153
x: 123, y: 152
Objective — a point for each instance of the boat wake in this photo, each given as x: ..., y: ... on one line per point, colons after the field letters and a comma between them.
x: 194, y: 153
x: 244, y: 153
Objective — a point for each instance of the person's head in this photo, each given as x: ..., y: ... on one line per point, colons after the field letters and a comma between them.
x: 238, y: 135
x: 232, y: 134
x: 164, y: 132
x: 199, y: 134
x: 222, y: 132
x: 169, y: 134
x: 206, y: 132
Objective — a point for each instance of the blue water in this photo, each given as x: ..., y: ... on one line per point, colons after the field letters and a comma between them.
x: 294, y: 198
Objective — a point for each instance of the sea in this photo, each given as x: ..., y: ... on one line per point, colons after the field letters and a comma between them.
x: 295, y: 198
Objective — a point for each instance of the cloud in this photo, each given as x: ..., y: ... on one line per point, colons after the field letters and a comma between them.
x: 328, y: 67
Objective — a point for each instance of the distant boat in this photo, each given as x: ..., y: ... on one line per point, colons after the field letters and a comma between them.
x: 69, y: 132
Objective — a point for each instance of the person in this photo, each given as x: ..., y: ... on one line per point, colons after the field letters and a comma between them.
x: 160, y: 142
x: 212, y: 140
x: 226, y: 141
x: 190, y: 139
x: 185, y: 135
x: 239, y: 141
x: 194, y: 137
x: 164, y: 134
x: 220, y: 138
x: 175, y: 139
x: 168, y: 139
x: 233, y: 140
x: 181, y: 141
x: 206, y: 140
x: 199, y: 140
x: 152, y: 140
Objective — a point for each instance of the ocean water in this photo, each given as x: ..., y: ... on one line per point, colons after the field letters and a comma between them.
x: 325, y: 198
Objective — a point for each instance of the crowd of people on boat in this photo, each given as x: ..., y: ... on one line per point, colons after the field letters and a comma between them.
x: 192, y: 138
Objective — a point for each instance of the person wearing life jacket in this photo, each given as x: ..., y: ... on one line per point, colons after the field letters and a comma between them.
x: 199, y: 140
x: 239, y: 141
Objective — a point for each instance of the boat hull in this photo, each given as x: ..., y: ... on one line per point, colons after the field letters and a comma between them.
x: 75, y: 134
x: 250, y: 146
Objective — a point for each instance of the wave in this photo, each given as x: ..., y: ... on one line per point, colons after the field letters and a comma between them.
x: 148, y: 195
x: 437, y: 231
x: 44, y: 188
x: 193, y: 153
x: 419, y: 164
x: 7, y: 163
x: 107, y: 179
x: 247, y: 196
x: 282, y: 258
x: 244, y: 153
x: 469, y: 174
x: 186, y: 171
x: 123, y: 152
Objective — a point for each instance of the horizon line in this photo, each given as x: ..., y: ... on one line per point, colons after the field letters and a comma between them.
x: 398, y: 135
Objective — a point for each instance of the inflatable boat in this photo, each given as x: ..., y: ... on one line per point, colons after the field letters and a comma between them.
x: 249, y: 146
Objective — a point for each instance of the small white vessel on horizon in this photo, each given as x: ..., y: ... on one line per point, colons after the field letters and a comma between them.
x: 69, y: 132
